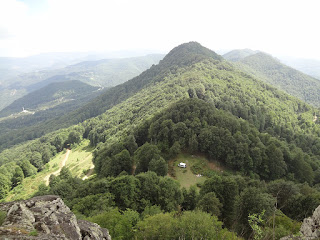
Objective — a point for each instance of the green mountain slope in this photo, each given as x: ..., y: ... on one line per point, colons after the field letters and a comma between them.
x: 50, y: 102
x: 184, y: 55
x: 272, y: 71
x: 205, y: 76
x: 52, y: 95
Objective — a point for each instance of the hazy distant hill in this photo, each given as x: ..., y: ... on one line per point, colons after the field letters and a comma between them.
x: 238, y: 54
x: 272, y: 71
x: 49, y: 102
x: 307, y: 66
x: 106, y: 73
x: 49, y: 96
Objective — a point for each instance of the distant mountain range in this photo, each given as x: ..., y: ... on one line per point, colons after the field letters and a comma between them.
x: 307, y: 66
x: 106, y: 73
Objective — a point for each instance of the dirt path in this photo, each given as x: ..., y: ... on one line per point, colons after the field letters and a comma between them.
x: 62, y: 164
x: 89, y: 173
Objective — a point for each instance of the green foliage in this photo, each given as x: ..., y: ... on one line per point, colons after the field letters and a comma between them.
x: 92, y: 204
x: 252, y: 200
x: 159, y: 166
x: 3, y: 216
x: 144, y: 155
x: 283, y: 226
x: 255, y: 222
x: 190, y: 225
x: 34, y: 233
x: 120, y: 225
x: 210, y: 203
x: 17, y: 177
x: 5, y: 185
x: 150, y: 211
x: 190, y: 198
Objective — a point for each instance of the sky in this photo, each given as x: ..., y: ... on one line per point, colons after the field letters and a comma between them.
x: 278, y: 27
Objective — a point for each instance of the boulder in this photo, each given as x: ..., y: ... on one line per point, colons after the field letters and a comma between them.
x: 46, y: 217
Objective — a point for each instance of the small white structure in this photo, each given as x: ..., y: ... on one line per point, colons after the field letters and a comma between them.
x: 182, y: 165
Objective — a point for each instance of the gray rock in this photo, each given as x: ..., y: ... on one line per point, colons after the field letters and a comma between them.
x: 46, y: 217
x: 310, y: 228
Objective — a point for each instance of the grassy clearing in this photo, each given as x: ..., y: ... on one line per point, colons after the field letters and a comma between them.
x: 80, y: 159
x: 188, y: 176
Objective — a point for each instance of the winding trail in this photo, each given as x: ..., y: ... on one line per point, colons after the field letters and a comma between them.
x: 62, y: 164
x: 89, y: 173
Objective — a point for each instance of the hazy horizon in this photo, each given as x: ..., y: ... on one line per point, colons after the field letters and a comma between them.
x: 281, y: 28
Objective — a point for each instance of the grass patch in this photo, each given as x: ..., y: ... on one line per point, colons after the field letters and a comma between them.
x: 188, y: 176
x: 80, y: 158
x: 197, y: 171
x: 33, y: 233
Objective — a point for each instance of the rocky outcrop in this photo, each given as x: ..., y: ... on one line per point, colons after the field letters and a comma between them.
x: 310, y: 228
x: 46, y: 217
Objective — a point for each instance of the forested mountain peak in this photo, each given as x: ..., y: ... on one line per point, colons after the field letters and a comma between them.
x: 238, y: 54
x: 188, y: 53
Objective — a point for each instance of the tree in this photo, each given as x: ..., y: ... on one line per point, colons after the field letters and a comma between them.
x: 120, y: 226
x: 126, y: 192
x: 144, y: 155
x: 18, y: 177
x: 120, y: 162
x: 130, y: 144
x: 190, y: 198
x: 161, y: 226
x: 36, y: 160
x: 74, y: 137
x: 159, y: 166
x: 170, y: 195
x: 5, y: 185
x: 251, y: 201
x: 210, y: 203
x: 27, y: 168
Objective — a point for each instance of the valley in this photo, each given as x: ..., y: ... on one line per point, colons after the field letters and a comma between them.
x: 247, y: 146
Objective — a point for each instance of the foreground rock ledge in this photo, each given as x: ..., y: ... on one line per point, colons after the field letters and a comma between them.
x: 46, y: 217
x: 310, y: 228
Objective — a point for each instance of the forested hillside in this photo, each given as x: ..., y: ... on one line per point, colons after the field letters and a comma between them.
x: 272, y: 71
x: 194, y: 102
x: 50, y: 96
x: 102, y: 73
x: 47, y: 103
